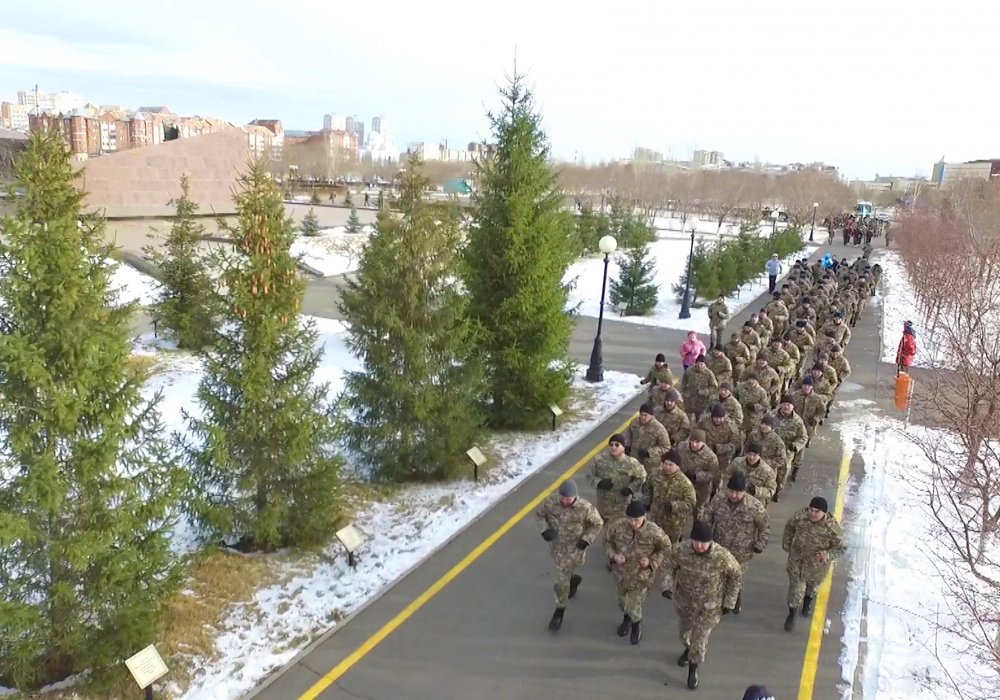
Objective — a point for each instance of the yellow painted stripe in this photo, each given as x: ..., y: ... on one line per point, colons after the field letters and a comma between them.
x: 344, y: 666
x: 811, y: 662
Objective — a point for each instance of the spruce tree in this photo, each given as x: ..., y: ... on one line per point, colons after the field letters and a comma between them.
x: 518, y: 252
x: 354, y: 222
x: 727, y: 269
x: 416, y: 407
x: 314, y: 199
x: 260, y: 452
x: 87, y: 487
x: 310, y: 223
x: 188, y: 302
x: 348, y: 199
x: 635, y: 285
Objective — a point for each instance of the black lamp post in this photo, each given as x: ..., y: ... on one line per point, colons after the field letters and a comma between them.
x: 686, y: 301
x: 813, y: 227
x: 595, y: 373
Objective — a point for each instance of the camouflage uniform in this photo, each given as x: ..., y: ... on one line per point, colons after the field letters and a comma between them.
x: 742, y: 527
x: 676, y: 422
x: 842, y: 330
x: 760, y: 476
x: 803, y: 340
x: 772, y: 450
x: 755, y: 403
x: 671, y: 500
x: 792, y: 432
x: 739, y: 356
x: 702, y: 467
x: 648, y: 442
x: 721, y: 367
x: 718, y: 314
x: 782, y: 363
x: 841, y: 366
x: 769, y: 379
x: 733, y: 408
x: 632, y: 578
x: 822, y: 387
x: 702, y: 585
x: 657, y: 376
x: 793, y: 352
x: 811, y: 407
x: 777, y: 311
x: 699, y: 388
x: 812, y: 548
x: 624, y: 472
x: 765, y: 328
x: 752, y: 340
x: 725, y: 439
x: 659, y: 394
x: 580, y: 521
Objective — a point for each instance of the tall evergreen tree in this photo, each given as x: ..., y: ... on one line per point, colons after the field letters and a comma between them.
x: 518, y: 252
x: 310, y: 223
x: 87, y: 487
x: 260, y: 455
x: 188, y: 302
x: 354, y: 222
x: 415, y: 408
x: 635, y: 285
x: 314, y: 198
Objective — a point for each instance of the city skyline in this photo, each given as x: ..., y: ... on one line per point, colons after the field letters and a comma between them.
x: 771, y: 80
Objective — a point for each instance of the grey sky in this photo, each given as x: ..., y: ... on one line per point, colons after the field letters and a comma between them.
x: 871, y: 85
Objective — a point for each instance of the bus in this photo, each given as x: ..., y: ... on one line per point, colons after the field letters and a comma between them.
x: 864, y: 209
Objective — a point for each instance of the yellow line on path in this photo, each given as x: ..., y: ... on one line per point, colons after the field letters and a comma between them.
x: 816, y: 629
x: 388, y: 628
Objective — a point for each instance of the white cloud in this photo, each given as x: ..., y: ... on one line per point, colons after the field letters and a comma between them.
x: 871, y: 86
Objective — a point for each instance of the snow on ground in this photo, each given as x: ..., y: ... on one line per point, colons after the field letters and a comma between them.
x: 318, y: 589
x: 671, y: 259
x: 895, y: 643
x: 332, y: 252
x: 899, y: 303
x: 669, y: 222
x: 133, y: 285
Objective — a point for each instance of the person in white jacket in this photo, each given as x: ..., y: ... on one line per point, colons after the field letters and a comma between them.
x: 774, y: 268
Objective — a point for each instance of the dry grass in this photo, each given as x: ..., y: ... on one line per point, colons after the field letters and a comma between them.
x: 144, y: 365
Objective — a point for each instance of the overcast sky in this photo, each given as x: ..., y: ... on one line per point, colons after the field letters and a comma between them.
x: 886, y: 86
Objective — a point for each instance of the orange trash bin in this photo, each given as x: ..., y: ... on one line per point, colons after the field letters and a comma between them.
x: 904, y: 388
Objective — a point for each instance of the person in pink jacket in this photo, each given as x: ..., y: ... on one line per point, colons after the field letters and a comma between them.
x: 691, y: 349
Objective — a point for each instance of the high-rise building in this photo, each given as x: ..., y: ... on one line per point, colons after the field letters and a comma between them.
x: 61, y: 102
x: 356, y: 126
x: 378, y: 124
x: 14, y: 117
x: 334, y: 122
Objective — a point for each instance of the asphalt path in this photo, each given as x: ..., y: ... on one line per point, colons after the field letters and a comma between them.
x: 482, y: 631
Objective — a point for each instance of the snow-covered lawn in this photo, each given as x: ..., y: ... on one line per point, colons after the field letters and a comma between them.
x: 897, y: 306
x: 897, y: 642
x: 704, y: 225
x: 671, y: 259
x: 333, y: 251
x: 133, y: 285
x: 315, y: 589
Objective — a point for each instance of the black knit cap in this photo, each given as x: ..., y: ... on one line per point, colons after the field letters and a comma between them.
x: 819, y: 503
x: 753, y: 447
x: 635, y: 509
x: 672, y: 456
x: 617, y: 437
x: 646, y: 408
x: 701, y: 532
x: 660, y: 357
x: 701, y: 359
x: 737, y: 482
x: 718, y: 411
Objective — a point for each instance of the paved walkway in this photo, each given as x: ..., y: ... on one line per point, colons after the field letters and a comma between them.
x: 471, y: 621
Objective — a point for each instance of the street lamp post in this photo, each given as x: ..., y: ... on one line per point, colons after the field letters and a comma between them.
x: 686, y: 301
x: 595, y: 373
x: 813, y: 228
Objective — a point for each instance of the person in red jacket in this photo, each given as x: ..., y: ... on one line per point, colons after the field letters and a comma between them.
x: 906, y: 353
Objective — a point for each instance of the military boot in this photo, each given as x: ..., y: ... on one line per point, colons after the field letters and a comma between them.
x: 794, y: 475
x: 693, y: 676
x: 636, y: 632
x: 557, y: 617
x: 790, y: 620
x: 739, y: 604
x: 807, y: 606
x: 682, y: 660
x: 574, y: 583
x: 624, y: 626
x: 777, y: 496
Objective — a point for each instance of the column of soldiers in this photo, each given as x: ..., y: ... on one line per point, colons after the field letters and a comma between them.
x: 718, y: 452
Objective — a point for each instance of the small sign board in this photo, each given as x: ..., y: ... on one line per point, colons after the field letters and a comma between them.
x: 477, y: 456
x: 351, y: 537
x: 622, y: 305
x: 146, y: 667
x: 556, y: 411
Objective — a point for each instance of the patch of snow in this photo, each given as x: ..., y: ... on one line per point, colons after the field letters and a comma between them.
x: 899, y: 304
x: 133, y: 285
x: 898, y: 619
x: 670, y: 256
x: 318, y: 590
x: 332, y: 252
